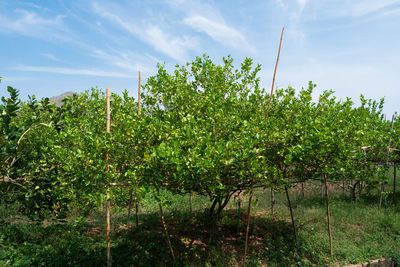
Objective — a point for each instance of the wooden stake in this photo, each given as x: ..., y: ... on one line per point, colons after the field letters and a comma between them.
x: 266, y: 117
x: 136, y: 192
x: 140, y: 77
x: 273, y: 79
x: 292, y: 217
x: 328, y: 215
x: 131, y: 192
x: 108, y: 204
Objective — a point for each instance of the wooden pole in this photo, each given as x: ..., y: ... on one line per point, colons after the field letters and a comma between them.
x: 136, y: 192
x: 266, y: 117
x: 292, y: 217
x: 273, y: 79
x: 328, y: 215
x: 108, y: 204
x: 139, y: 87
x: 131, y: 192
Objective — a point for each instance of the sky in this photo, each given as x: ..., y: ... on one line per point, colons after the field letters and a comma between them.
x: 352, y: 47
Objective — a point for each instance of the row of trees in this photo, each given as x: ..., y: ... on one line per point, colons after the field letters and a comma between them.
x: 202, y: 129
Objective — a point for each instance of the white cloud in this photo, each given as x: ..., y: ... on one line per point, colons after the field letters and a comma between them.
x: 219, y: 31
x: 31, y: 24
x: 51, y: 57
x: 369, y: 6
x: 127, y: 61
x: 73, y: 71
x: 159, y: 39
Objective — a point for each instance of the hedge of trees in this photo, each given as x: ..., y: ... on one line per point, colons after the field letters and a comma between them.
x: 201, y: 129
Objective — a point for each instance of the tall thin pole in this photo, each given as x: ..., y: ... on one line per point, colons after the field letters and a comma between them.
x: 136, y: 193
x: 109, y: 259
x: 139, y: 87
x: 131, y: 191
x: 273, y: 79
x: 328, y: 215
x: 266, y: 117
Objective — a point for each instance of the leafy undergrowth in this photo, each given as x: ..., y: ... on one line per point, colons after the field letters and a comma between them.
x: 361, y: 232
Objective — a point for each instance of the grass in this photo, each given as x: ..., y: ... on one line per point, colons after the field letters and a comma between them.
x: 361, y: 232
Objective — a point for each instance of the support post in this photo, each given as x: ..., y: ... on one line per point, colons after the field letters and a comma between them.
x: 108, y: 204
x: 328, y: 215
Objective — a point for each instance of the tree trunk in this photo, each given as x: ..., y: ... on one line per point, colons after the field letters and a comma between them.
x: 238, y: 221
x: 353, y: 191
x: 247, y: 228
x: 166, y: 230
x: 137, y: 210
x: 292, y: 217
x: 302, y: 189
x: 328, y: 215
x: 130, y: 203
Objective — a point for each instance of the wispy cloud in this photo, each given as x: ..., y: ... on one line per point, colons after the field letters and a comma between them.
x: 152, y: 34
x: 51, y: 57
x: 72, y: 71
x: 219, y: 31
x: 369, y: 6
x: 31, y: 24
x: 126, y: 60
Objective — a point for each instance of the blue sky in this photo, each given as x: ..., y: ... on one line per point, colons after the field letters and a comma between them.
x: 50, y: 47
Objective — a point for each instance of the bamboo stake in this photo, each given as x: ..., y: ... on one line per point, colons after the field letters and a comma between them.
x: 139, y: 87
x: 136, y: 193
x: 266, y: 117
x: 273, y: 79
x: 131, y: 192
x: 328, y: 215
x: 292, y: 217
x: 108, y: 204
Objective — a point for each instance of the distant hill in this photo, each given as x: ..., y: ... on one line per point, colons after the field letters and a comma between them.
x: 58, y: 99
